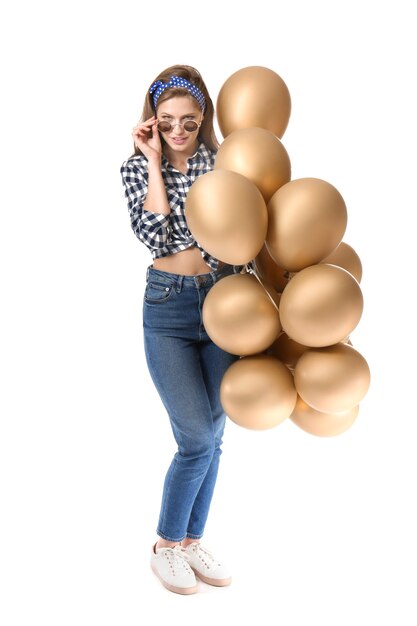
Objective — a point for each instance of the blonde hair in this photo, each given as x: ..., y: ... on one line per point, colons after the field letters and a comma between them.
x: 206, y: 133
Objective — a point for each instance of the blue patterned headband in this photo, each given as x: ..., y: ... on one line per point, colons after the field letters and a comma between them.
x: 177, y: 81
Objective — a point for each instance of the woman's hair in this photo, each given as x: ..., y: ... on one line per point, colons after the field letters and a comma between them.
x: 206, y: 133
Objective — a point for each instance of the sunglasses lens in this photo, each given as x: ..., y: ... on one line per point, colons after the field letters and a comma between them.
x: 190, y: 126
x: 164, y: 127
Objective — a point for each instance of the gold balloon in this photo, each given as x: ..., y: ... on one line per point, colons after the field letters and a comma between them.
x: 287, y: 350
x: 257, y: 392
x: 258, y: 155
x: 346, y: 257
x: 332, y: 379
x: 254, y: 96
x: 227, y: 215
x: 321, y: 305
x: 322, y: 424
x: 266, y: 268
x: 239, y: 316
x: 307, y: 219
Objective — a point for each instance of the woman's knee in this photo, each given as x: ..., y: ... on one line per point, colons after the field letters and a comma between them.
x: 198, y: 448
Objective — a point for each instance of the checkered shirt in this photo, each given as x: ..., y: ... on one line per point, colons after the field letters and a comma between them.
x: 165, y: 234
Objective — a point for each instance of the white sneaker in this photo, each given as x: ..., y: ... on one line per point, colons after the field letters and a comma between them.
x: 206, y: 567
x: 172, y: 568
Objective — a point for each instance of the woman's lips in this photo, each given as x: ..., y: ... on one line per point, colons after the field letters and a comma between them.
x: 178, y: 140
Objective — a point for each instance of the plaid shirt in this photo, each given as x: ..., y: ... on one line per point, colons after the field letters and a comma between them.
x: 165, y: 234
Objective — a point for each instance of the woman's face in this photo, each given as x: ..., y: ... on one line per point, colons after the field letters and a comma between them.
x: 178, y: 110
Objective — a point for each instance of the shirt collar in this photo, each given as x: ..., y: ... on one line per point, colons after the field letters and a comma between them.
x: 201, y: 154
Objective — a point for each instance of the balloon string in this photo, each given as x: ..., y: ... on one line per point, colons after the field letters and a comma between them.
x: 251, y: 270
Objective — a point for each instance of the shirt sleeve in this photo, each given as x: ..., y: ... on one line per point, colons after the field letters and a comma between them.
x: 150, y: 228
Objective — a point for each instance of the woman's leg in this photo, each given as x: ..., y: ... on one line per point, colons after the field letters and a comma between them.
x: 175, y: 368
x: 172, y: 329
x: 214, y: 363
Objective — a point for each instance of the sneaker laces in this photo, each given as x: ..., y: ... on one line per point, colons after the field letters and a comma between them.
x: 178, y: 556
x: 206, y: 556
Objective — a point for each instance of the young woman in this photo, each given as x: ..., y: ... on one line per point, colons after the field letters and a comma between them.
x: 174, y: 144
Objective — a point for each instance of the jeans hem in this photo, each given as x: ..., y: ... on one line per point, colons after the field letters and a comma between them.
x: 164, y: 536
x: 190, y: 536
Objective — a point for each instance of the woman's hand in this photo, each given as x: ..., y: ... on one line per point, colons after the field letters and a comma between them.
x: 146, y: 138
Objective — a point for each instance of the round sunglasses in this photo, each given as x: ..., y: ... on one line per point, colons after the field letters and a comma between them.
x: 190, y: 126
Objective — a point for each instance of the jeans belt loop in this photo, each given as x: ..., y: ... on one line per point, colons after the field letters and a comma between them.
x: 179, y: 283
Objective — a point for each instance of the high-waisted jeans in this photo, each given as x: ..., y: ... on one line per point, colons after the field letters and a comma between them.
x: 187, y: 369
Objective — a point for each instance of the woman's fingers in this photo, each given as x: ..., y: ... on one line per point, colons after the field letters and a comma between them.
x: 143, y: 130
x: 145, y: 135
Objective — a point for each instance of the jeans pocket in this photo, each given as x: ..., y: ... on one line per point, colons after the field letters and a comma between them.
x: 157, y: 292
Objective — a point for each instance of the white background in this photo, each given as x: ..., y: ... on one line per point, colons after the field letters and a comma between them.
x: 317, y: 531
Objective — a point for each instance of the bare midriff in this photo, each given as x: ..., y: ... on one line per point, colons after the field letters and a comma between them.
x: 187, y: 262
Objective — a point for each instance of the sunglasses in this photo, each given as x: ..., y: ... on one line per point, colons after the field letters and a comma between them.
x: 190, y: 126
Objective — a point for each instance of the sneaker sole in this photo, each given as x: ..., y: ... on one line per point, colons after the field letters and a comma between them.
x: 216, y: 582
x: 185, y: 591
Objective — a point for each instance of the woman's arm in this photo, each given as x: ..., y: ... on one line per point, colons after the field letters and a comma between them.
x: 151, y: 227
x: 145, y: 189
x: 156, y: 198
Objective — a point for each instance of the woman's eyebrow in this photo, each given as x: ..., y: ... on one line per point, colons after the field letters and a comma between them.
x: 182, y: 116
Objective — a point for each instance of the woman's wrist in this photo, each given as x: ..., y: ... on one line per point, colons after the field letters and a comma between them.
x: 154, y: 160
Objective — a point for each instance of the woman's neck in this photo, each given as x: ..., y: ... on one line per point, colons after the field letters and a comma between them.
x: 179, y: 159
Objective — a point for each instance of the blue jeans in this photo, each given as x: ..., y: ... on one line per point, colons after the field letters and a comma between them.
x: 187, y: 369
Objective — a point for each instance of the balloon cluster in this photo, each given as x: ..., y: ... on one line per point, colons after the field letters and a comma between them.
x: 291, y: 310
